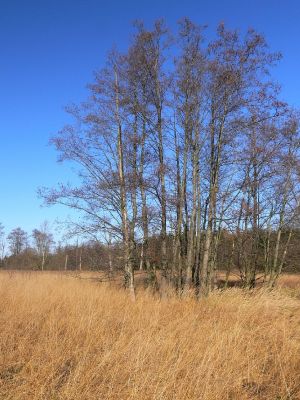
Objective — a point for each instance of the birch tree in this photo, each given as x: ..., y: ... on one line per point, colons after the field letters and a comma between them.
x: 43, y: 241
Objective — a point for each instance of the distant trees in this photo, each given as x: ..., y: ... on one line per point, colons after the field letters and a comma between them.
x: 20, y: 250
x: 186, y: 144
x: 17, y: 241
x: 39, y: 252
x: 2, y: 243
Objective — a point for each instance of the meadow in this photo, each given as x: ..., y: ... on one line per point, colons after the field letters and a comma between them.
x: 63, y: 338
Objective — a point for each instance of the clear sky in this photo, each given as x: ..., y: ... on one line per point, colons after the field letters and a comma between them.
x: 48, y: 51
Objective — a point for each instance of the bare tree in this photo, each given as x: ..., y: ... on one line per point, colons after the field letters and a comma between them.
x: 17, y: 240
x: 43, y: 240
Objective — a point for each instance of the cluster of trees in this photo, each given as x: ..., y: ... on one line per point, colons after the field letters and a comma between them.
x: 38, y: 251
x: 186, y: 142
x: 18, y: 244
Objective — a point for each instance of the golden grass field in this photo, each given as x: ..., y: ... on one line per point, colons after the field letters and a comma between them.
x: 63, y: 338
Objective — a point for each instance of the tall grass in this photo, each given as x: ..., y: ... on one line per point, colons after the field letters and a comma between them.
x: 63, y: 338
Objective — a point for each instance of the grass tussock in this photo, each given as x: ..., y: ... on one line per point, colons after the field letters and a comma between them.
x: 63, y: 338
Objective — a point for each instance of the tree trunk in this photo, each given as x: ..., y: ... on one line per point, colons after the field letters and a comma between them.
x: 66, y: 262
x: 129, y: 271
x: 192, y: 228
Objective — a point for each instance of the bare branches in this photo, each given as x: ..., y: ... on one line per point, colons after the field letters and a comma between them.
x: 186, y: 144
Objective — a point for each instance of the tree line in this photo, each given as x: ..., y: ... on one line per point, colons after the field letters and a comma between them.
x: 18, y: 243
x: 185, y: 142
x: 38, y: 251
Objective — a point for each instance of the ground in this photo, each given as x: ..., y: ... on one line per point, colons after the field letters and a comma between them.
x: 64, y: 338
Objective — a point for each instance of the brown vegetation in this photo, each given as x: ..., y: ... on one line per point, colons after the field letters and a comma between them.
x: 63, y: 338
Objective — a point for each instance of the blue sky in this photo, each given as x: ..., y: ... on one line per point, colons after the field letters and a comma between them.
x: 48, y: 52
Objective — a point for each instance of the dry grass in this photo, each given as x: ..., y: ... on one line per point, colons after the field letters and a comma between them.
x: 63, y: 338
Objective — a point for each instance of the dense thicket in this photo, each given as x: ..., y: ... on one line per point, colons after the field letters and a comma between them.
x: 187, y: 141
